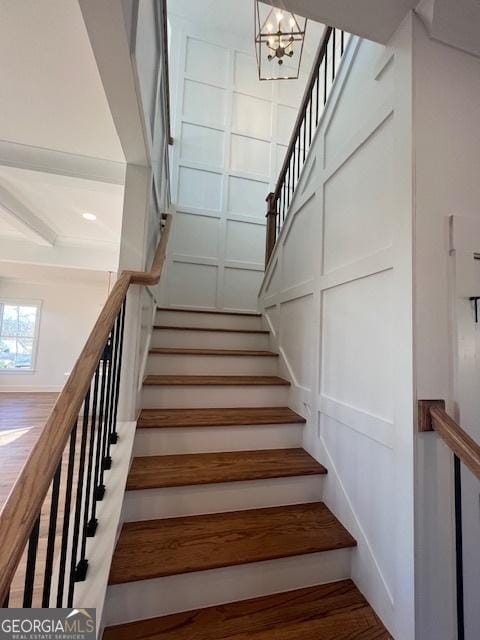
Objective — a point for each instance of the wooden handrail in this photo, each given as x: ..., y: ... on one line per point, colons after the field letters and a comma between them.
x: 28, y: 493
x: 433, y: 417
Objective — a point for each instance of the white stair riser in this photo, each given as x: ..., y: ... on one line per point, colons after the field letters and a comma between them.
x: 162, y: 596
x: 150, y: 504
x: 212, y: 365
x: 209, y: 339
x: 208, y: 396
x: 154, y: 442
x: 208, y: 320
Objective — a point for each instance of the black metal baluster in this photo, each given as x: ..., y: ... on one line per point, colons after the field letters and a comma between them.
x: 317, y: 81
x: 299, y: 152
x: 333, y: 53
x: 114, y: 434
x: 288, y: 182
x: 112, y: 439
x: 294, y: 155
x: 52, y: 530
x: 459, y: 547
x: 99, y: 489
x: 66, y: 516
x: 325, y: 74
x: 342, y: 41
x: 90, y: 526
x: 304, y: 136
x: 310, y: 116
x: 106, y: 462
x: 79, y: 572
x: 31, y: 562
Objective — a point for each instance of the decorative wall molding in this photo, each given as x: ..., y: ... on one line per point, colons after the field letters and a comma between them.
x: 387, y: 601
x: 371, y: 426
x: 367, y: 266
x: 231, y: 141
x: 354, y: 334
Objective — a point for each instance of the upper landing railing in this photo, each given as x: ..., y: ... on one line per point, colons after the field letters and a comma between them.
x: 316, y: 94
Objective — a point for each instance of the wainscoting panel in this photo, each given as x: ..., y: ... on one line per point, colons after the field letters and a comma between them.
x: 231, y: 134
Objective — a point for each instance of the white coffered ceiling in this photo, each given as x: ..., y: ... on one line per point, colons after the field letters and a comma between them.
x: 60, y: 155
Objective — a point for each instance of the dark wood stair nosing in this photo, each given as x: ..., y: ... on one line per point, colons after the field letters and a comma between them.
x: 335, y: 607
x: 198, y: 418
x: 163, y: 327
x: 180, y: 351
x: 215, y: 312
x: 162, y: 380
x: 194, y: 469
x: 292, y: 531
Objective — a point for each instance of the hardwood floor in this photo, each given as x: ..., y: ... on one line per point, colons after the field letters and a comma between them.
x: 22, y: 416
x: 207, y: 468
x: 156, y: 548
x: 335, y: 611
x: 223, y: 417
x: 215, y: 380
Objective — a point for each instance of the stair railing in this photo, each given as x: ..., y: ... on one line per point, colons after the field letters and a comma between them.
x: 433, y: 417
x: 64, y: 477
x: 315, y: 98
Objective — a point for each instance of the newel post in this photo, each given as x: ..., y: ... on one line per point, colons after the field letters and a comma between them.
x: 271, y: 226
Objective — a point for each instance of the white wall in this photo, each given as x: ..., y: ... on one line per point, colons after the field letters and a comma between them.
x: 231, y: 132
x: 71, y: 301
x: 447, y: 164
x: 338, y: 298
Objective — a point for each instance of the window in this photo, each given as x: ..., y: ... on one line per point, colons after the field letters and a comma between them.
x: 18, y: 335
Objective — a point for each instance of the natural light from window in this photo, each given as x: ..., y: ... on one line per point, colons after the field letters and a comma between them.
x: 18, y: 334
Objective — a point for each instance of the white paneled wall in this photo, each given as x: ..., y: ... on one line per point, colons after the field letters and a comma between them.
x: 338, y: 299
x: 231, y: 132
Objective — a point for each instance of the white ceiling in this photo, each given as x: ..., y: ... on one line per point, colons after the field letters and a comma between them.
x: 52, y: 275
x: 59, y: 201
x: 55, y: 126
x: 50, y: 90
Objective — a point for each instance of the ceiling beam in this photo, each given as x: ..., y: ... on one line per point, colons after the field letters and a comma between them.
x: 23, y: 156
x: 25, y: 220
x: 95, y: 258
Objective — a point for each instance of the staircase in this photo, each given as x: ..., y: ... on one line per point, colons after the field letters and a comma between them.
x: 225, y: 533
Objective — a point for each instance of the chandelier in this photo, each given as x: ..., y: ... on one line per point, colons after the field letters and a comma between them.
x: 279, y: 38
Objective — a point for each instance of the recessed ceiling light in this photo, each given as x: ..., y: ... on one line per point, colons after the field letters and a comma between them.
x: 89, y: 216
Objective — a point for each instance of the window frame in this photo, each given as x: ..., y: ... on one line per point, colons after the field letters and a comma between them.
x: 25, y: 302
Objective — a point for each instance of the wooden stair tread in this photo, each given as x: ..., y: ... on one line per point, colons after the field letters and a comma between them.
x: 163, y: 327
x: 222, y: 417
x: 215, y: 380
x: 212, y: 311
x: 208, y: 468
x: 210, y: 352
x: 173, y: 546
x: 335, y: 611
